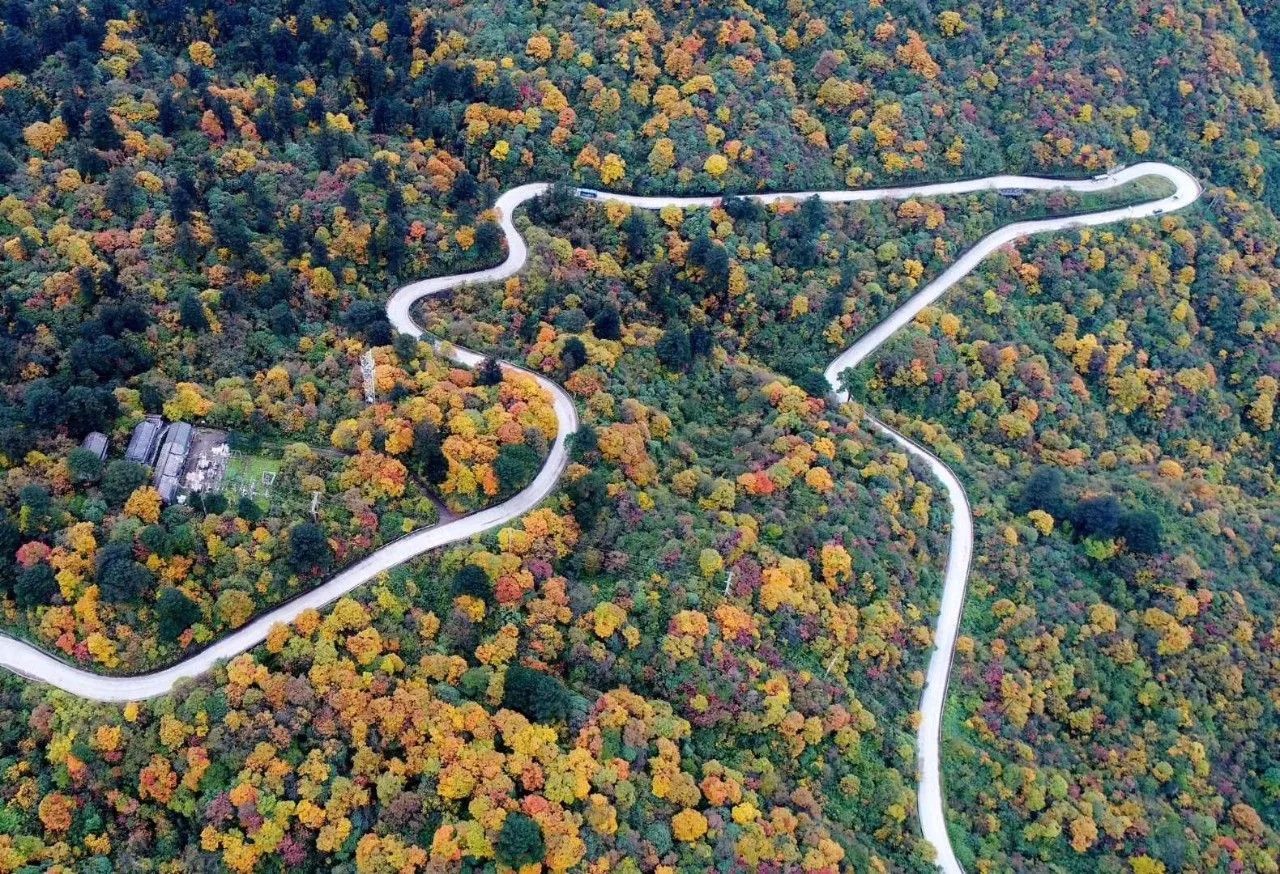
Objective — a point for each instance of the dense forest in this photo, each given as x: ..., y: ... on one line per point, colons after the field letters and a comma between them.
x: 705, y: 651
x: 1115, y: 418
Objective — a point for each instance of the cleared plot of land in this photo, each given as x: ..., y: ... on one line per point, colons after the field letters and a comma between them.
x: 256, y: 477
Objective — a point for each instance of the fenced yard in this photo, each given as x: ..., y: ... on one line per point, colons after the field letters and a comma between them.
x: 256, y: 477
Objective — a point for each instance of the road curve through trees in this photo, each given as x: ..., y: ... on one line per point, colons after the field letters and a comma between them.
x: 28, y: 661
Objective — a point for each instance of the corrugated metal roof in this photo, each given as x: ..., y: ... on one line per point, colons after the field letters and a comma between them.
x: 96, y: 442
x: 168, y: 488
x: 142, y: 445
x: 171, y: 458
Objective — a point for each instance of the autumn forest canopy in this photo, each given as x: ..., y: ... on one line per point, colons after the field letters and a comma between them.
x: 705, y: 649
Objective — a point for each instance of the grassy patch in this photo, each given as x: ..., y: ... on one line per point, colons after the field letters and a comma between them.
x: 246, y: 471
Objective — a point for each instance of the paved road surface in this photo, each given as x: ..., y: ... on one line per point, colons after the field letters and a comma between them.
x: 932, y: 809
x: 37, y: 665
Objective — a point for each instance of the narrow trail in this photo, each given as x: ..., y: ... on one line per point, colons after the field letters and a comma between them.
x: 28, y: 661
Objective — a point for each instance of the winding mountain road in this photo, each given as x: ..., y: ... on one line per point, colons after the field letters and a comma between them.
x: 30, y: 662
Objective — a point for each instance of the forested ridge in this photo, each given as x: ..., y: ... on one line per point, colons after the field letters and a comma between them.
x: 705, y: 651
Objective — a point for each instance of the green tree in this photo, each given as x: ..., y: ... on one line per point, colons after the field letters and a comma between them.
x: 84, y: 465
x: 38, y: 509
x: 608, y: 323
x: 472, y: 580
x: 589, y: 494
x: 1142, y: 531
x: 247, y: 508
x: 427, y: 458
x: 489, y: 372
x: 191, y: 314
x: 516, y: 466
x: 520, y: 841
x: 1043, y: 491
x: 584, y: 443
x: 1097, y: 517
x: 102, y: 130
x: 121, y: 194
x: 574, y: 354
x: 10, y: 539
x: 673, y: 347
x: 35, y: 586
x: 120, y: 479
x: 541, y: 697
x: 175, y: 613
x: 309, y: 549
x: 637, y: 233
x: 119, y: 577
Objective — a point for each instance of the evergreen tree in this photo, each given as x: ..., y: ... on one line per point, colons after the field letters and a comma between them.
x: 489, y: 372
x: 1097, y: 517
x: 119, y: 577
x: 472, y: 580
x: 121, y: 194
x: 516, y: 466
x: 102, y: 130
x: 427, y: 459
x: 120, y: 479
x: 175, y: 613
x: 191, y: 314
x: 574, y: 354
x: 1142, y: 531
x: 608, y: 323
x: 84, y: 465
x: 520, y: 841
x: 673, y: 347
x: 309, y: 549
x: 541, y: 697
x: 35, y: 586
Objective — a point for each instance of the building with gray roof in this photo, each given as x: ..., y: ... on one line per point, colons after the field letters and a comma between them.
x: 96, y: 442
x: 170, y: 460
x: 145, y: 440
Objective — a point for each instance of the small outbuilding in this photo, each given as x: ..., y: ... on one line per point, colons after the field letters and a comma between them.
x: 97, y: 443
x: 145, y: 440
